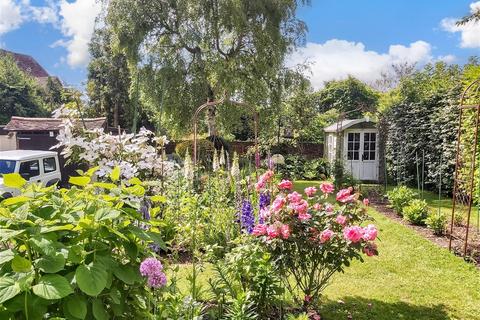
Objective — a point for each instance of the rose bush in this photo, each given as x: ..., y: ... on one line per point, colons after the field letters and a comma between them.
x: 310, y: 239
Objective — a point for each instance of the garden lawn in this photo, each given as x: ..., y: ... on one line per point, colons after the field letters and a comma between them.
x: 411, y: 279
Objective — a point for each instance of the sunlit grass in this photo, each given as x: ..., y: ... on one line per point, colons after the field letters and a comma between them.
x: 412, y: 278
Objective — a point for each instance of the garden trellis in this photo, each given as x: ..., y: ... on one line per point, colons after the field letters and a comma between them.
x: 219, y: 102
x: 466, y: 166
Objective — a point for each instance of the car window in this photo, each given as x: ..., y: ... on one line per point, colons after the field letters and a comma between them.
x: 7, y: 166
x: 29, y: 169
x: 49, y: 165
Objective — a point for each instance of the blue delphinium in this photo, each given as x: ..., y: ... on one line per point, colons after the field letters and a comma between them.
x: 247, y: 219
x: 263, y: 202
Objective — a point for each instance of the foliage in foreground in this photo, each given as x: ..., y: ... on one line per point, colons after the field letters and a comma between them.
x: 74, y: 253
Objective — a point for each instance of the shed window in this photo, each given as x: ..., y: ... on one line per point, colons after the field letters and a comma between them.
x: 353, y: 146
x: 369, y: 145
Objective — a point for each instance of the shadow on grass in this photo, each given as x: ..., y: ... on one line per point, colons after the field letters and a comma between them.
x: 359, y: 308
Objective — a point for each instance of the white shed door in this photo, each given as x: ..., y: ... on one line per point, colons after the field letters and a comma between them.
x: 361, y: 155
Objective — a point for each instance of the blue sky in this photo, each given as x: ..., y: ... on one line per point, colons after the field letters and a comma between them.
x: 358, y: 37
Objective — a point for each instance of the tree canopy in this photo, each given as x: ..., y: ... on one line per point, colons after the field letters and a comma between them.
x: 188, y: 52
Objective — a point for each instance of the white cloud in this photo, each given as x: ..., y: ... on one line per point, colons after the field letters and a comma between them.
x: 10, y: 16
x: 77, y: 23
x: 470, y: 32
x: 46, y: 14
x: 337, y: 59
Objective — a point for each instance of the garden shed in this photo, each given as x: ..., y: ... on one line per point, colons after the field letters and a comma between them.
x: 356, y: 143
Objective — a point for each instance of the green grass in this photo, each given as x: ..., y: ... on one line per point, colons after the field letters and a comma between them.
x: 412, y: 278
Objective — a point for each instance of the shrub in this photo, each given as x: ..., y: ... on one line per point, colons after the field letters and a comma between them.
x: 310, y: 240
x: 74, y: 253
x: 458, y: 218
x: 298, y: 167
x: 400, y: 197
x: 416, y: 212
x: 437, y: 222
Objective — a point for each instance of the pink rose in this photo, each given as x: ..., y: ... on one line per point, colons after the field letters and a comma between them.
x: 366, y: 202
x: 294, y: 197
x: 370, y: 233
x: 345, y: 195
x: 327, y: 187
x: 285, y: 231
x: 278, y: 203
x: 317, y: 207
x: 259, y: 230
x: 300, y: 207
x: 370, y: 249
x: 326, y: 235
x: 341, y: 219
x: 285, y: 185
x: 273, y: 231
x: 354, y: 233
x: 304, y: 216
x: 268, y: 175
x: 329, y: 207
x: 310, y: 191
x: 259, y: 185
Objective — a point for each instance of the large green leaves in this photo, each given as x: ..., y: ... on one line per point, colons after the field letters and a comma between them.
x: 77, y: 306
x: 9, y: 288
x: 13, y: 180
x: 98, y: 310
x: 52, y: 286
x: 92, y: 278
x: 127, y: 274
x: 51, y: 263
x: 6, y: 256
x: 20, y: 264
x: 79, y: 181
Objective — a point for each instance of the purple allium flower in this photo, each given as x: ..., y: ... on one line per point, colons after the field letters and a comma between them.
x: 150, y: 266
x: 152, y: 269
x: 157, y: 280
x: 247, y: 219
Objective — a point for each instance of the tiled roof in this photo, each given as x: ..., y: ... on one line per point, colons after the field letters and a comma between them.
x: 49, y: 124
x: 27, y: 64
x: 345, y: 124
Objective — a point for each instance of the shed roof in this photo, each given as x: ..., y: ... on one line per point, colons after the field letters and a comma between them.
x: 49, y: 124
x: 345, y: 124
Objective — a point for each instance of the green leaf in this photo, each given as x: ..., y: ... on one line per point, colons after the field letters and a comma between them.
x: 20, y: 264
x: 158, y: 198
x: 52, y: 286
x: 92, y: 278
x: 126, y: 273
x: 65, y: 227
x: 115, y: 174
x: 15, y: 200
x: 13, y: 180
x: 115, y: 295
x: 136, y: 190
x: 92, y: 171
x: 77, y: 306
x: 7, y: 234
x: 157, y: 238
x: 135, y: 180
x: 105, y: 185
x: 51, y: 263
x: 6, y: 256
x: 8, y: 289
x: 106, y: 214
x: 79, y: 181
x: 98, y: 310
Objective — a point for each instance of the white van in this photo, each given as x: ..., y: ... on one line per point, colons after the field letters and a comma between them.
x: 34, y: 166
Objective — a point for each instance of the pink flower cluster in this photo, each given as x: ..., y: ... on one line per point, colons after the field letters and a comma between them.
x: 153, y: 270
x: 346, y: 196
x: 263, y: 180
x: 327, y: 187
x: 276, y: 230
x: 356, y: 233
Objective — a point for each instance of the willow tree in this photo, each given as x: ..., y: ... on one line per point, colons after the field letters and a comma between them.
x: 192, y: 51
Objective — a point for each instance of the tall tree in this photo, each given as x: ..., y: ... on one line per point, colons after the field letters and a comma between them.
x: 109, y: 81
x: 350, y: 97
x: 20, y: 95
x: 193, y: 51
